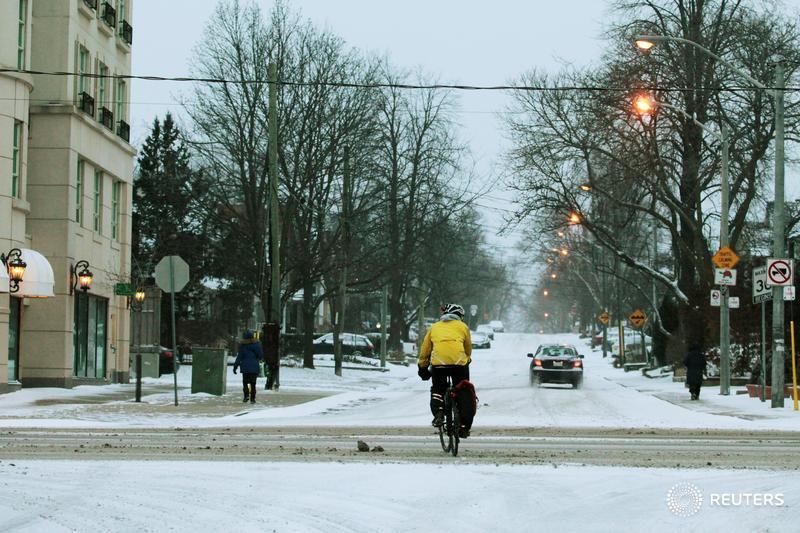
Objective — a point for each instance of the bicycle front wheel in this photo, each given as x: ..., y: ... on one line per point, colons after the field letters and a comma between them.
x: 445, y: 445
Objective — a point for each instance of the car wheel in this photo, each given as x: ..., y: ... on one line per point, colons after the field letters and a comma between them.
x: 356, y: 353
x: 577, y: 384
x: 535, y: 381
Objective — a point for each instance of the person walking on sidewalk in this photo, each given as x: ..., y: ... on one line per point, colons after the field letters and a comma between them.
x: 248, y: 358
x: 695, y: 362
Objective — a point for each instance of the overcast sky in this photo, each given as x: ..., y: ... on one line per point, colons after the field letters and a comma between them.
x: 457, y: 41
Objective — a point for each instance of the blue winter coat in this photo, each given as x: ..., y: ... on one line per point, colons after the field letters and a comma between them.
x: 248, y: 356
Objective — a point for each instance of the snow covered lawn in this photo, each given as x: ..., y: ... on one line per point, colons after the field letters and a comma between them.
x: 87, y: 496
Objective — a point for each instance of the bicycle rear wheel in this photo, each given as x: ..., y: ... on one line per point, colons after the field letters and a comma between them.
x: 456, y: 427
x: 448, y: 421
x: 445, y: 446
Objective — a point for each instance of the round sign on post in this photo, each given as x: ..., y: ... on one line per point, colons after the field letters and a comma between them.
x: 179, y: 277
x: 779, y: 272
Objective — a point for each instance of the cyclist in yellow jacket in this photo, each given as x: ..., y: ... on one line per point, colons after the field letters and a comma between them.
x: 447, y: 349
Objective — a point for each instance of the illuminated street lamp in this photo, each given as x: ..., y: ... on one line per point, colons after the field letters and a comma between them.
x: 585, y: 187
x: 81, y: 275
x: 546, y: 293
x: 574, y: 218
x: 553, y: 275
x: 777, y: 92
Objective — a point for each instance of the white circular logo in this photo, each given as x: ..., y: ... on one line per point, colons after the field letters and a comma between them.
x: 684, y: 499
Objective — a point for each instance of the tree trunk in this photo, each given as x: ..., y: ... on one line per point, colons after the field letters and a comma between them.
x: 309, y: 309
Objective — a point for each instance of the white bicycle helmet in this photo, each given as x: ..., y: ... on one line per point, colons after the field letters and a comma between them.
x: 453, y: 309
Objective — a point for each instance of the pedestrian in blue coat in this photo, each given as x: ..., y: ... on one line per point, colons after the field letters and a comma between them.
x: 248, y: 358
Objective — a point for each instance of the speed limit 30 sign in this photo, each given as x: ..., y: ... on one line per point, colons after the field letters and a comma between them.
x: 762, y: 291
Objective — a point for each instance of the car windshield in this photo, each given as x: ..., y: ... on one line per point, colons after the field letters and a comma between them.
x: 556, y: 351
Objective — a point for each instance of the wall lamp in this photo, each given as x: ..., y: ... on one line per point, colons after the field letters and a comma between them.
x: 80, y: 275
x: 16, y: 268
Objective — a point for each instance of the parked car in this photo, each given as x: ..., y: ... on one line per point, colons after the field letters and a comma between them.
x: 497, y: 325
x: 480, y: 340
x: 352, y: 344
x: 165, y: 357
x: 486, y: 329
x: 556, y: 363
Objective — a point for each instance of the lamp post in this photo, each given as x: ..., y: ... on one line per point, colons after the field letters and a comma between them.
x: 136, y: 306
x: 81, y: 275
x: 645, y: 43
x: 645, y: 105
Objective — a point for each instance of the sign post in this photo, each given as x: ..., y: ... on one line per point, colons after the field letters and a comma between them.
x: 637, y: 319
x: 762, y: 293
x: 780, y: 273
x: 604, y: 319
x: 172, y: 275
x: 724, y: 275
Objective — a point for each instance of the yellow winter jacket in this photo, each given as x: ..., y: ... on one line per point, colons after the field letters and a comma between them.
x: 447, y: 342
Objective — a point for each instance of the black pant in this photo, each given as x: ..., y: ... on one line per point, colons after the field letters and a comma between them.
x: 439, y: 383
x: 249, y: 384
x: 272, y: 372
x: 694, y: 389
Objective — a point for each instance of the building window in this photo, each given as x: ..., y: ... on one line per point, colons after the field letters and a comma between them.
x: 83, y: 70
x: 121, y: 10
x: 115, y: 192
x: 79, y: 192
x: 102, y: 73
x: 16, y: 160
x: 22, y: 34
x: 89, y: 336
x: 119, y: 112
x: 97, y: 211
x: 14, y: 330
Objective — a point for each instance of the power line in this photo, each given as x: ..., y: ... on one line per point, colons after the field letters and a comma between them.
x: 378, y: 85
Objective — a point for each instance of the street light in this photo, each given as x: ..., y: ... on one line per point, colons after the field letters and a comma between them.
x: 546, y: 293
x: 778, y: 211
x: 647, y: 103
x: 574, y: 218
x: 585, y: 187
x: 137, y: 305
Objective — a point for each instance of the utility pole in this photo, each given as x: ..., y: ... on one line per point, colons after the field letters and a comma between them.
x: 274, y: 220
x: 724, y: 311
x: 778, y: 236
x: 384, y: 304
x: 342, y: 297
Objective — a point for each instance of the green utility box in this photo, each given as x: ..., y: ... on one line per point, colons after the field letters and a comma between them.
x: 149, y: 361
x: 209, y: 370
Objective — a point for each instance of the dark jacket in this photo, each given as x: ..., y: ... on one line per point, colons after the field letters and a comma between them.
x: 695, y: 363
x: 248, y: 356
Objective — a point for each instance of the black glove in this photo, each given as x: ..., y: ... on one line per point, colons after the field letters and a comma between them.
x: 424, y: 373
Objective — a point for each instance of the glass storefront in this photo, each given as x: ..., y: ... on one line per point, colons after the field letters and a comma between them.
x: 89, y: 336
x: 13, y: 338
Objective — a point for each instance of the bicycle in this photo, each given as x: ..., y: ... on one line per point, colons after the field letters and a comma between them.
x: 452, y: 420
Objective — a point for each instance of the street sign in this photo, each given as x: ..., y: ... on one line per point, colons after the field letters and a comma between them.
x: 180, y: 274
x: 123, y: 289
x: 779, y: 272
x: 473, y: 310
x: 788, y: 293
x: 725, y: 258
x: 724, y: 276
x: 637, y: 318
x: 762, y: 291
x: 604, y: 318
x: 716, y: 298
x: 733, y: 302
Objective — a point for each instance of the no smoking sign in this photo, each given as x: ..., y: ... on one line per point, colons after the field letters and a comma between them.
x: 780, y: 272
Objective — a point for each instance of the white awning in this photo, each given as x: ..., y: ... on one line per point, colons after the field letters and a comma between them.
x: 39, y: 280
x: 3, y: 279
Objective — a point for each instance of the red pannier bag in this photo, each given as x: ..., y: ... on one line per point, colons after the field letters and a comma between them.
x: 467, y: 402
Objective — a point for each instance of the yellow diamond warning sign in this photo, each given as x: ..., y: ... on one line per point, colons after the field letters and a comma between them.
x: 604, y: 318
x: 725, y: 258
x: 637, y: 318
